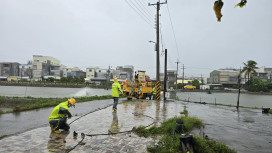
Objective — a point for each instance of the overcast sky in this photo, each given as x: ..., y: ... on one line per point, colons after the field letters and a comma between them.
x: 100, y: 33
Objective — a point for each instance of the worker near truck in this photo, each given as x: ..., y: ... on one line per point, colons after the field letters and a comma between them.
x: 57, y: 118
x: 116, y: 88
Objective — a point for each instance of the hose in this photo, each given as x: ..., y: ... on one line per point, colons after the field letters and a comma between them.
x: 83, y: 134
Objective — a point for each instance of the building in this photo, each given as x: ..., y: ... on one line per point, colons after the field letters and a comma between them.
x: 43, y: 66
x: 25, y: 71
x: 73, y: 71
x: 8, y: 69
x: 265, y: 74
x: 171, y: 76
x: 90, y: 73
x: 124, y: 72
x: 45, y: 59
x: 226, y: 77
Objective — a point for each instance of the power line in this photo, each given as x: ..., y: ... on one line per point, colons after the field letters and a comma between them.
x: 146, y: 8
x: 173, y: 30
x: 139, y: 14
x: 146, y: 17
x: 143, y: 8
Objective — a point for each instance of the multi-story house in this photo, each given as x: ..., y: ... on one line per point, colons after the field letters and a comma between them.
x: 43, y: 66
x: 9, y: 69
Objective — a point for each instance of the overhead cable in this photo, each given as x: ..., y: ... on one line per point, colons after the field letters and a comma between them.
x: 173, y: 30
x: 142, y: 16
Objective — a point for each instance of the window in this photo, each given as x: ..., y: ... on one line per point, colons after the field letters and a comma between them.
x: 90, y: 70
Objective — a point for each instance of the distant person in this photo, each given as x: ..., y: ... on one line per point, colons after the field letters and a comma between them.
x: 57, y: 119
x: 154, y: 91
x: 116, y: 87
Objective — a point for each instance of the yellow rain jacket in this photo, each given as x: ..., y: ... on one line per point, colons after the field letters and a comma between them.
x: 154, y: 91
x: 116, y: 87
x: 60, y: 111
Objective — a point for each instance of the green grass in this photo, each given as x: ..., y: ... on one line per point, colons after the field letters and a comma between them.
x: 30, y: 103
x: 170, y: 143
x: 270, y: 111
x: 210, y: 146
x: 168, y: 126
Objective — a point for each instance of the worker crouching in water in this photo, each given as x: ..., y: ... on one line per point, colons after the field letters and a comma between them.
x: 57, y: 119
x: 116, y: 87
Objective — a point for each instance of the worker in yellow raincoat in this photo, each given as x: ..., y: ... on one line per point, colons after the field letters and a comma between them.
x: 116, y: 88
x: 57, y: 119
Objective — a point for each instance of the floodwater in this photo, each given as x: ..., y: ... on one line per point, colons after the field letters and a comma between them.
x: 18, y: 122
x: 246, y: 130
x: 51, y: 92
x: 246, y: 99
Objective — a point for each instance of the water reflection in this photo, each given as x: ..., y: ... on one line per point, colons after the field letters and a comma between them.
x: 57, y: 142
x: 114, y: 128
x: 157, y: 113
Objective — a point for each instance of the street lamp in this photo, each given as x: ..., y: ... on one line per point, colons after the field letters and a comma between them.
x: 154, y: 43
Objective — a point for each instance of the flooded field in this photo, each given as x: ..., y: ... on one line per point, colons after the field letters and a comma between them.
x: 246, y: 130
x: 247, y: 100
x: 50, y: 92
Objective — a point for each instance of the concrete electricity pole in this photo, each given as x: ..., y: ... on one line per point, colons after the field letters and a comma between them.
x: 165, y: 75
x: 239, y: 87
x: 158, y: 39
x: 108, y: 78
x: 183, y: 76
x: 177, y: 74
x: 158, y: 83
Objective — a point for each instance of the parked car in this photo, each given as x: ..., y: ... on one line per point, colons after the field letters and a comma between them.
x: 189, y: 87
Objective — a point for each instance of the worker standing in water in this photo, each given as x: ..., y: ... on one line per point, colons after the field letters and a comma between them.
x: 57, y: 119
x: 116, y: 87
x: 154, y: 91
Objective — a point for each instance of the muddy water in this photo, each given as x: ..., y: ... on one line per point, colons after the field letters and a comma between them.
x: 18, y: 122
x: 246, y: 130
x: 50, y: 92
x: 248, y: 100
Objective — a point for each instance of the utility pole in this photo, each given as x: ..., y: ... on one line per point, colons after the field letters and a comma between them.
x: 108, y: 78
x: 158, y: 39
x: 239, y: 81
x: 183, y: 76
x: 158, y: 83
x: 177, y: 74
x: 165, y: 74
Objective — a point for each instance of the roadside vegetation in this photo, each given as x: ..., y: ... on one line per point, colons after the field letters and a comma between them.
x: 169, y: 140
x: 29, y: 103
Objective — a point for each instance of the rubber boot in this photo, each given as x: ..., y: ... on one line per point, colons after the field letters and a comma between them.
x: 52, y: 128
x: 57, y: 131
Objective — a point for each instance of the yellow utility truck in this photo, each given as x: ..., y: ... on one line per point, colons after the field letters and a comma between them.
x: 140, y: 87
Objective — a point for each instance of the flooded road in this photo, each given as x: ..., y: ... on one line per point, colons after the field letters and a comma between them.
x: 246, y: 99
x: 246, y: 130
x: 51, y: 92
x: 18, y: 122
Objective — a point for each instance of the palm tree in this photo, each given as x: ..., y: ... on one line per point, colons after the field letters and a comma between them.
x: 249, y: 68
